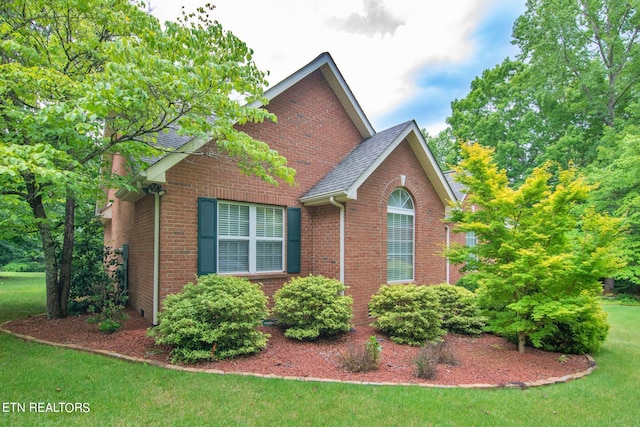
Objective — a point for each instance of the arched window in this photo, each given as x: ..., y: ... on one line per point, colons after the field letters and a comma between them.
x: 400, y: 236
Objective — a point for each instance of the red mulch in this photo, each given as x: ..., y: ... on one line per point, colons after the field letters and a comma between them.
x: 484, y: 360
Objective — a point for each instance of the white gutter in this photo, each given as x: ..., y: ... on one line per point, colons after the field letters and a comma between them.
x: 341, y: 207
x: 448, y: 265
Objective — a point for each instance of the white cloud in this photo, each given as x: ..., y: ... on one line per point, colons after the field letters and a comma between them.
x: 379, y: 45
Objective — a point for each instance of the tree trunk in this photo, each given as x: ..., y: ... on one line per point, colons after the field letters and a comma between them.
x: 609, y: 284
x: 66, y: 260
x: 57, y: 277
x: 521, y: 341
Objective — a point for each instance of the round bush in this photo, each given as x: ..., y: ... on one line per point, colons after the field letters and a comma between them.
x: 409, y: 314
x: 312, y: 307
x: 583, y: 331
x: 215, y: 319
x: 460, y: 313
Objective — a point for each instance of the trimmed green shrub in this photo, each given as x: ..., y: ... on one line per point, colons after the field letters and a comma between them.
x: 215, y: 319
x: 574, y: 326
x: 312, y: 307
x: 460, y: 313
x: 109, y: 326
x: 409, y: 314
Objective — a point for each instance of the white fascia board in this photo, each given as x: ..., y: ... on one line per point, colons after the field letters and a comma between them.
x: 425, y: 157
x: 430, y: 166
x: 381, y: 158
x: 330, y: 71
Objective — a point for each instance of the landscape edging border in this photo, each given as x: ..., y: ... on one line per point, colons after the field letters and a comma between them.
x: 519, y: 385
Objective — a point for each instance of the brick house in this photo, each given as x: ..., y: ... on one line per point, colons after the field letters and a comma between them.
x: 368, y: 208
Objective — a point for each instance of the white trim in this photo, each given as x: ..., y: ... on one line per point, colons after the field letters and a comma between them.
x: 325, y: 63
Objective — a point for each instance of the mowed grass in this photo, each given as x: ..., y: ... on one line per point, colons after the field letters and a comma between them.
x: 126, y: 394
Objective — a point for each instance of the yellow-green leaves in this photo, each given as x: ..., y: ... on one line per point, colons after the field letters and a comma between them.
x: 540, y: 251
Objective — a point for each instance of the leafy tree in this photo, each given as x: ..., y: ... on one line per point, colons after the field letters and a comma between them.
x: 540, y: 252
x: 617, y: 173
x: 577, y: 73
x: 442, y: 147
x: 71, y: 69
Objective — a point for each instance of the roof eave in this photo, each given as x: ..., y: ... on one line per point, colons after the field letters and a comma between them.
x: 325, y: 199
x: 324, y: 62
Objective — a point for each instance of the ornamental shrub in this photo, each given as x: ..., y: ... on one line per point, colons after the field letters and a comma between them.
x: 577, y: 325
x: 312, y: 307
x: 409, y: 314
x: 460, y: 313
x: 215, y: 319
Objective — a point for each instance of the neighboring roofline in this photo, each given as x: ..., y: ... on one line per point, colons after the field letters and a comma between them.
x: 325, y: 63
x: 418, y: 144
x: 451, y: 173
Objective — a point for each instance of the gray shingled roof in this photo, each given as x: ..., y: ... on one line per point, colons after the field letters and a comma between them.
x: 345, y: 174
x: 458, y: 189
x: 169, y: 140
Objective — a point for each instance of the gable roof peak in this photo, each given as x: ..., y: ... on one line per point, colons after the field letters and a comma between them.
x: 343, y: 181
x: 327, y: 66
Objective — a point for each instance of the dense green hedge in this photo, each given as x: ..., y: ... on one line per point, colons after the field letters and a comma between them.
x: 312, y: 307
x: 409, y: 314
x: 459, y: 310
x: 215, y: 319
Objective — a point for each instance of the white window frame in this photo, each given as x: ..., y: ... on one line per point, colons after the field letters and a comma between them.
x: 405, y: 212
x: 252, y: 238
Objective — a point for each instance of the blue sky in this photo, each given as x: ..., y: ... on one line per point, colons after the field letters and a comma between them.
x: 403, y: 59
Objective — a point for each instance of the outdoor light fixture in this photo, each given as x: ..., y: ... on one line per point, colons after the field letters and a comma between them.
x: 155, y: 189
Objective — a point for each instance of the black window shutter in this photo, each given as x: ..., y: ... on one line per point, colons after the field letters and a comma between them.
x: 293, y: 240
x: 207, y: 235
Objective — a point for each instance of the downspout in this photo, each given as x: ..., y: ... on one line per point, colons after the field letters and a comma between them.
x: 448, y: 265
x: 156, y: 258
x: 341, y: 207
x: 157, y: 191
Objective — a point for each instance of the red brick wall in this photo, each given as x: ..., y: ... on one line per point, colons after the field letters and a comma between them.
x: 366, y: 248
x: 313, y: 132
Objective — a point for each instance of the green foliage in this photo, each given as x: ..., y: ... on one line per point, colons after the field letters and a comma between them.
x: 23, y: 267
x: 443, y: 147
x: 541, y: 252
x: 617, y: 176
x: 364, y: 358
x: 621, y: 299
x: 312, y: 307
x: 105, y: 296
x: 410, y: 314
x: 109, y: 326
x: 574, y: 325
x: 215, y: 319
x: 469, y: 282
x: 459, y: 308
x: 110, y: 64
x: 574, y: 77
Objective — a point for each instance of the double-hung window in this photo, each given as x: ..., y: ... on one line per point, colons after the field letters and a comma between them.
x: 250, y: 238
x: 400, y: 236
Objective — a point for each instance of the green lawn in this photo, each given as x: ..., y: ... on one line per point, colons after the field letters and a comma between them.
x: 118, y: 393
